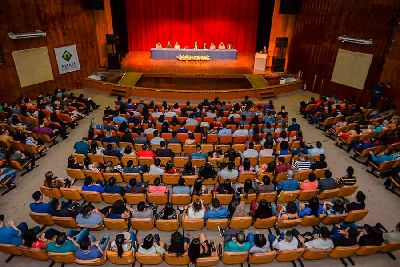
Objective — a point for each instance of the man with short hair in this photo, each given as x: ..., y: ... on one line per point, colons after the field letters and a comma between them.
x: 156, y: 167
x: 141, y: 138
x: 156, y: 139
x: 146, y: 152
x: 302, y: 164
x: 250, y: 152
x: 224, y: 131
x: 129, y: 168
x: 11, y: 234
x: 89, y: 185
x: 238, y: 245
x: 134, y: 188
x: 229, y: 172
x: 90, y: 249
x: 197, y: 154
x: 173, y: 139
x: 327, y: 183
x: 318, y: 150
x: 163, y: 151
x: 289, y: 184
x: 181, y: 188
x: 294, y: 126
x: 110, y: 151
x: 241, y: 131
x: 82, y: 147
x: 39, y: 206
x: 157, y: 187
x: 143, y: 211
x: 286, y: 241
x: 216, y: 211
x: 321, y: 240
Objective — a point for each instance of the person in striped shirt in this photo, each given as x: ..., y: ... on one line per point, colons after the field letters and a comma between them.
x: 303, y: 163
x: 348, y: 179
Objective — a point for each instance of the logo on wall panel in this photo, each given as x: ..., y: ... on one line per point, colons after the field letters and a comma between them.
x: 67, y: 59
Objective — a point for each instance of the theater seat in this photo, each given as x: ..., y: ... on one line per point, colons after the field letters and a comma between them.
x: 288, y: 223
x: 207, y: 261
x: 35, y: 253
x: 316, y: 254
x: 264, y: 223
x: 234, y: 257
x: 42, y: 218
x: 367, y: 250
x: 71, y: 193
x: 62, y: 258
x: 240, y: 222
x: 127, y: 257
x: 180, y: 199
x: 289, y: 255
x: 134, y: 199
x: 212, y: 224
x: 111, y: 198
x: 192, y: 224
x: 167, y: 225
x: 356, y: 215
x: 10, y: 250
x: 142, y: 224
x: 343, y: 252
x: 149, y: 259
x: 173, y: 259
x: 50, y: 192
x: 91, y: 196
x: 115, y: 224
x: 65, y: 222
x: 262, y: 258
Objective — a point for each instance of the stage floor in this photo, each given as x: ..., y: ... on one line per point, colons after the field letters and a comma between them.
x: 140, y: 61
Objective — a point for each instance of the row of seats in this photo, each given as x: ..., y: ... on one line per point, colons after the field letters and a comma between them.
x: 228, y: 258
x: 76, y: 194
x: 198, y: 224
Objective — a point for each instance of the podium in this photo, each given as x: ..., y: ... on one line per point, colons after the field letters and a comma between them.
x: 259, y: 61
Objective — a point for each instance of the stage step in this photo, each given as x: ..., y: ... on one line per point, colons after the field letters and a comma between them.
x: 119, y: 92
x: 268, y: 94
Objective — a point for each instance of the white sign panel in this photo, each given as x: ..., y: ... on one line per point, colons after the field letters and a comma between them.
x: 67, y: 59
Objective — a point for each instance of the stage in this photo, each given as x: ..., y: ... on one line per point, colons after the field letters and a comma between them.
x: 140, y: 61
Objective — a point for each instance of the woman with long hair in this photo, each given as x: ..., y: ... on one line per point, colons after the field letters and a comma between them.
x: 124, y: 242
x: 167, y: 213
x: 263, y: 210
x: 179, y: 244
x: 246, y: 166
x: 188, y: 169
x: 151, y: 245
x: 196, y: 210
x: 118, y: 210
x: 207, y: 171
x: 312, y: 208
x: 198, y: 188
x: 200, y: 248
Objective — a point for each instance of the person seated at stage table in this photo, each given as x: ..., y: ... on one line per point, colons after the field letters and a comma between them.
x: 158, y: 45
x: 221, y: 45
x: 205, y: 46
x: 212, y: 46
x: 195, y: 46
x: 229, y: 46
x: 168, y: 45
x: 177, y: 46
x: 264, y: 50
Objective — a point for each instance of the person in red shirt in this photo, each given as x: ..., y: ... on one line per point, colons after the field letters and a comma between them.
x: 282, y: 166
x: 311, y: 183
x: 146, y: 152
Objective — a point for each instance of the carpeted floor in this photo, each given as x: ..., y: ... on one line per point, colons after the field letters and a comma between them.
x: 383, y: 205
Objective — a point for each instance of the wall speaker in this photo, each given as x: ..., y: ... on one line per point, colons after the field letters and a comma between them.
x: 281, y: 42
x: 93, y: 4
x: 113, y: 61
x: 278, y: 64
x: 290, y: 7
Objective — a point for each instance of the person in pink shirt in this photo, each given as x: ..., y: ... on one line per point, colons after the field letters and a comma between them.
x: 157, y: 188
x: 311, y: 183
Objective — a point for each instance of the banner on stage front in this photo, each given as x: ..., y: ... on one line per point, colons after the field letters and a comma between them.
x: 67, y: 59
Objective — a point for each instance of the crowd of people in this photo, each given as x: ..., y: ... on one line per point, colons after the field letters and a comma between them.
x: 27, y: 124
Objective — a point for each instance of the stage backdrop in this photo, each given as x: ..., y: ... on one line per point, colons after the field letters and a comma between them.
x: 183, y: 21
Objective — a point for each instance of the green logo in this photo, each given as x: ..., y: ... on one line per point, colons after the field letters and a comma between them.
x: 66, y: 55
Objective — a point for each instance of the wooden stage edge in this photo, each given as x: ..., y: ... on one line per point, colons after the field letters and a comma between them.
x: 140, y: 92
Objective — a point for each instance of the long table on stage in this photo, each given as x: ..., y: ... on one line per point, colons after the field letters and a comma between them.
x: 214, y: 54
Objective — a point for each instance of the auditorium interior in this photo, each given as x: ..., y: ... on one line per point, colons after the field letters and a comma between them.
x: 312, y: 81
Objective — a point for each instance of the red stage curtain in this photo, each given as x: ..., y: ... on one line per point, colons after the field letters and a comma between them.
x: 187, y: 21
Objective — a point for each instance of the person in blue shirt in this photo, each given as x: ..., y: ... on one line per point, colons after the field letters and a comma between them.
x: 238, y: 245
x: 110, y: 151
x: 119, y: 119
x: 68, y: 242
x: 289, y: 184
x: 294, y: 126
x: 39, y: 206
x: 224, y: 131
x: 198, y: 154
x: 11, y: 234
x: 91, y: 249
x: 129, y: 168
x: 181, y: 188
x: 377, y: 160
x: 216, y: 211
x: 82, y: 147
x: 311, y: 208
x: 88, y: 185
x: 112, y: 188
x: 120, y: 103
x: 109, y: 138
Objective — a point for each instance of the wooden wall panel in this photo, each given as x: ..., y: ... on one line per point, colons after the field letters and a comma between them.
x: 314, y: 44
x: 104, y: 26
x: 65, y: 23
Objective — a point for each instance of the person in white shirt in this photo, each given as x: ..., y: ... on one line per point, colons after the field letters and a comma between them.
x: 289, y: 242
x: 212, y: 46
x: 170, y: 114
x: 221, y: 45
x: 156, y: 139
x: 191, y: 120
x: 177, y: 46
x: 158, y: 45
x: 205, y: 46
x: 250, y: 152
x: 156, y: 113
x: 195, y: 45
x: 155, y: 168
x: 318, y: 150
x: 320, y: 241
x: 211, y: 113
x: 149, y: 129
x: 267, y: 149
x: 196, y: 210
x: 229, y: 46
x: 241, y: 131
